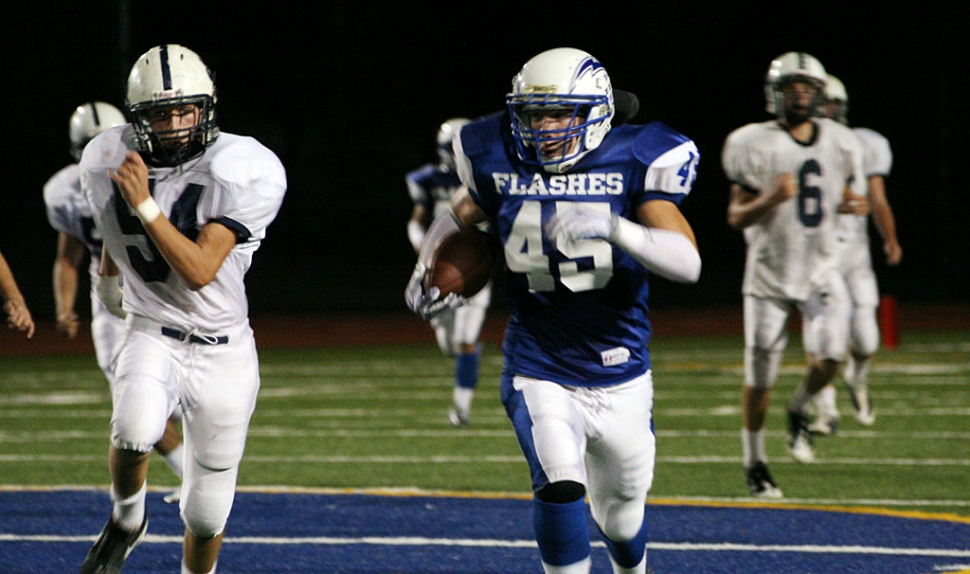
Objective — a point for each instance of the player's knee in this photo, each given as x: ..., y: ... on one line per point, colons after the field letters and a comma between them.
x: 562, y: 492
x: 135, y: 433
x: 203, y: 525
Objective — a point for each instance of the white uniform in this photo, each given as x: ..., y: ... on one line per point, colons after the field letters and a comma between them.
x: 68, y: 212
x: 792, y: 256
x: 854, y: 253
x: 192, y: 350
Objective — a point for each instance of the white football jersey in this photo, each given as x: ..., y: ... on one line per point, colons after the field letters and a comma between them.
x: 877, y: 159
x: 237, y: 182
x: 793, y: 245
x: 68, y: 212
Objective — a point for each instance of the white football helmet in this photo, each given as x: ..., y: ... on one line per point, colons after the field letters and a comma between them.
x: 563, y: 79
x: 836, y: 104
x: 90, y: 119
x: 788, y: 67
x: 165, y: 76
x: 446, y: 135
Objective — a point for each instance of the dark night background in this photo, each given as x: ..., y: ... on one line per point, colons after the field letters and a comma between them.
x: 349, y: 95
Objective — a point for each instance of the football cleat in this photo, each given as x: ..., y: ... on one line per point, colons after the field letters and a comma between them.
x: 175, y: 496
x: 760, y: 482
x: 112, y: 548
x: 825, y: 423
x: 799, y: 438
x: 861, y: 406
x: 458, y: 417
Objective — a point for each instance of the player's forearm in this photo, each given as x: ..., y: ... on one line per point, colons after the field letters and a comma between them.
x: 195, y: 262
x: 670, y: 254
x: 65, y: 278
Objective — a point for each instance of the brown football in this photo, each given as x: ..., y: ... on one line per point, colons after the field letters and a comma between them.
x: 463, y: 263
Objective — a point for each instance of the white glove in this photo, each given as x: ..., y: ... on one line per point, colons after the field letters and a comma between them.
x: 110, y: 294
x: 578, y: 224
x: 426, y: 304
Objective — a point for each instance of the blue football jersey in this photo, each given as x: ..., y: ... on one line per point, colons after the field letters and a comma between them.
x: 579, y: 313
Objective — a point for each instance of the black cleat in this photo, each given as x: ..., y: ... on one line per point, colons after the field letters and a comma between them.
x: 760, y: 482
x: 112, y: 548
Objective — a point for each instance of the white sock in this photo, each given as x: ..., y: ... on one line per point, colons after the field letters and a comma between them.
x: 176, y: 459
x: 463, y: 398
x: 753, y: 446
x: 129, y: 513
x: 825, y: 400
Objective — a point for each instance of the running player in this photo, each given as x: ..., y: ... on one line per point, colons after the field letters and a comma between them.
x: 181, y: 209
x: 789, y: 179
x: 431, y: 188
x: 70, y: 215
x: 587, y: 212
x: 856, y: 266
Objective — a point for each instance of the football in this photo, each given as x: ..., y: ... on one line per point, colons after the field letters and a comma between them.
x: 463, y: 263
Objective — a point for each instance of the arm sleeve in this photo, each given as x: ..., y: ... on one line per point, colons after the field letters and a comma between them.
x: 667, y: 253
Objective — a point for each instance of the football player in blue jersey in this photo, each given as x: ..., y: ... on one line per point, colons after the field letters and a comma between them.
x: 431, y: 188
x: 587, y: 212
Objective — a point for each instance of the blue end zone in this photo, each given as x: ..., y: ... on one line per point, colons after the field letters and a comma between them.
x: 50, y: 531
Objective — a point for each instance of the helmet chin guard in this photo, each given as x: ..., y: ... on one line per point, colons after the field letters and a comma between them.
x: 165, y: 76
x: 570, y: 82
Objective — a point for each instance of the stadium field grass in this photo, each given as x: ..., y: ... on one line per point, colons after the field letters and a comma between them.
x: 374, y: 417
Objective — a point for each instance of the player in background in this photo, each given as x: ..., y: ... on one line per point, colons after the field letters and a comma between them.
x: 18, y: 315
x: 588, y: 215
x: 431, y: 188
x: 181, y: 208
x: 788, y: 181
x: 70, y: 215
x: 856, y: 266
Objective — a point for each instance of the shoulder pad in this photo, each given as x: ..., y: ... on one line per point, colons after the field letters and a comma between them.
x: 654, y: 140
x: 241, y: 160
x: 477, y: 135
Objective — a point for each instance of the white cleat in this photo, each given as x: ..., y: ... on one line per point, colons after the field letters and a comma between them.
x: 799, y: 438
x: 861, y: 406
x: 175, y: 496
x: 826, y: 423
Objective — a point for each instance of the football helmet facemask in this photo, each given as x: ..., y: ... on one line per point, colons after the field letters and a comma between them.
x: 562, y: 82
x: 836, y: 105
x: 163, y: 78
x: 791, y: 67
x: 446, y: 135
x: 90, y: 119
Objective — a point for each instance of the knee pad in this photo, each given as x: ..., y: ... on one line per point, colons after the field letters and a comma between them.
x: 865, y: 331
x: 207, y: 500
x: 562, y: 492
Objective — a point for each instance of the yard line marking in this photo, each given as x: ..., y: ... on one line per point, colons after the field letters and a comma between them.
x: 449, y: 459
x: 498, y: 543
x: 285, y: 432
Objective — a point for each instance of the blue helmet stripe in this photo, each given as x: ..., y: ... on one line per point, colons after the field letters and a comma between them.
x: 166, y: 70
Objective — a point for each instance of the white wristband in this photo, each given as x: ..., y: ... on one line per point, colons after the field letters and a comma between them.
x: 147, y: 211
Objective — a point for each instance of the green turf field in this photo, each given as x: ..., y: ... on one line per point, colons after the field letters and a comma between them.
x: 375, y: 417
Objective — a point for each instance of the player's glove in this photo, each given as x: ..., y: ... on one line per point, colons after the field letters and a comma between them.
x: 578, y: 224
x: 110, y: 294
x: 426, y: 304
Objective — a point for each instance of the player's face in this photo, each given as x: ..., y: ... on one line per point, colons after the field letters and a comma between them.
x: 798, y: 96
x: 174, y: 125
x: 558, y: 119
